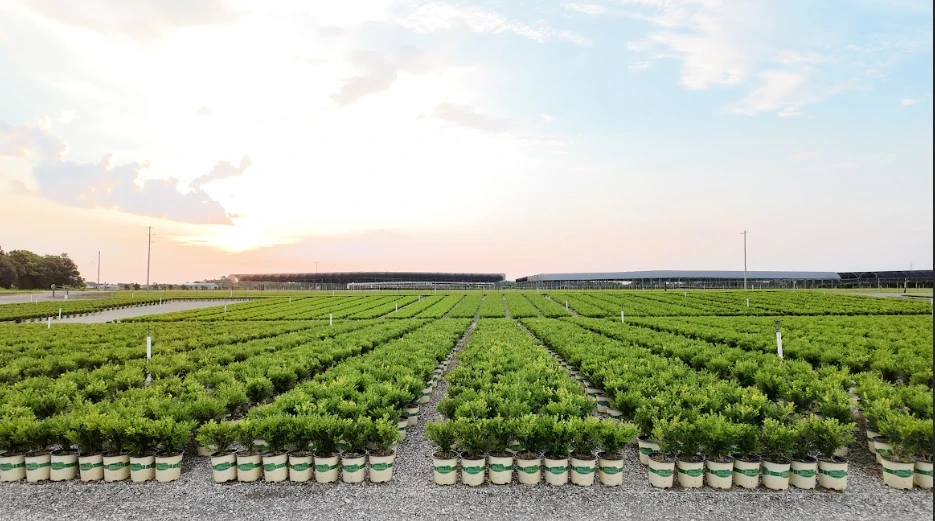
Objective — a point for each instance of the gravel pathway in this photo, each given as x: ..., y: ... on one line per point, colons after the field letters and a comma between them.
x: 121, y: 314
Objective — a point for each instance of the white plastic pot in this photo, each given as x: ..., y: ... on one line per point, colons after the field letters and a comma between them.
x: 582, y: 471
x: 610, y: 471
x: 501, y: 469
x: 804, y: 473
x: 882, y: 448
x: 426, y: 395
x: 691, y: 473
x: 206, y: 450
x: 168, y: 468
x: 602, y: 403
x: 401, y: 426
x: 923, y: 474
x: 747, y: 473
x: 224, y: 468
x: 326, y: 469
x: 661, y: 473
x: 116, y: 468
x: 556, y: 471
x: 275, y: 468
x: 614, y: 414
x: 592, y: 391
x: 776, y: 475
x: 353, y: 468
x: 445, y: 470
x: 91, y: 467
x: 897, y: 474
x: 142, y: 468
x: 301, y: 467
x: 646, y: 448
x: 249, y: 467
x: 381, y: 468
x: 870, y: 446
x: 38, y: 467
x: 472, y: 471
x: 832, y: 474
x: 413, y: 415
x: 529, y: 471
x: 12, y: 468
x: 719, y: 474
x: 63, y: 467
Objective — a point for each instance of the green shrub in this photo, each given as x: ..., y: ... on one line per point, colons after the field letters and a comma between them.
x: 326, y: 432
x: 585, y: 436
x: 614, y: 436
x: 220, y: 435
x: 473, y: 437
x: 777, y: 440
x: 259, y: 389
x: 719, y: 436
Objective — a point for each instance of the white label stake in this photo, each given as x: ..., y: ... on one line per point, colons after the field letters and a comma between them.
x: 50, y: 323
x: 622, y: 318
x: 59, y: 313
x: 748, y: 302
x: 329, y: 320
x: 779, y: 343
x: 149, y: 347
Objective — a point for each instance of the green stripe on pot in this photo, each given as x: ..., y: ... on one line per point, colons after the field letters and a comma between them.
x: 37, y: 466
x: 270, y: 467
x: 611, y: 470
x: 116, y: 466
x: 89, y: 466
x: 884, y: 452
x: 692, y: 472
x: 752, y: 473
x: 528, y: 470
x: 61, y: 465
x: 6, y: 467
x: 805, y: 473
x: 723, y: 473
x: 354, y: 468
x: 166, y: 466
x: 836, y: 474
x: 413, y: 414
x: 325, y: 468
x: 557, y: 470
x: 907, y: 473
x: 497, y: 467
x: 220, y: 467
x: 661, y: 472
x: 300, y: 467
x: 783, y: 474
x: 473, y: 470
x: 647, y: 450
x: 381, y: 466
x: 583, y: 470
x: 247, y: 467
x: 924, y: 472
x: 445, y: 469
x: 136, y: 467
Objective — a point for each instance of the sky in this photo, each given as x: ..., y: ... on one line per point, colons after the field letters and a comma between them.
x: 515, y: 137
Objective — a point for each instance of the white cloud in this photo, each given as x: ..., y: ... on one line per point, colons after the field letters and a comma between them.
x: 68, y: 116
x: 805, y: 156
x: 589, y: 9
x: 909, y: 101
x: 546, y: 118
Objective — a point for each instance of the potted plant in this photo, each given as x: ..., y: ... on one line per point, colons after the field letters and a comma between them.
x: 220, y: 436
x: 173, y: 436
x: 249, y: 461
x: 382, y: 437
x: 661, y: 463
x: 746, y: 460
x: 13, y: 442
x: 38, y: 458
x: 719, y: 437
x: 645, y: 418
x: 500, y: 460
x: 354, y: 459
x: 444, y: 460
x: 831, y: 435
x: 533, y: 433
x: 326, y: 432
x: 85, y: 430
x: 613, y: 438
x: 275, y: 430
x: 63, y: 461
x: 803, y: 472
x: 115, y: 458
x: 777, y: 441
x: 899, y: 464
x: 474, y: 440
x: 141, y: 444
x: 301, y: 460
x: 687, y: 437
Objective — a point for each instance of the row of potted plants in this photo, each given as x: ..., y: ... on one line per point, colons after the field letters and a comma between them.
x: 901, y: 442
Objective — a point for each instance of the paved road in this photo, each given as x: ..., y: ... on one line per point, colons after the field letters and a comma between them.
x: 120, y: 314
x: 44, y: 296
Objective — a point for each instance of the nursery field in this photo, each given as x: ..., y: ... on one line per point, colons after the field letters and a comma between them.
x: 543, y: 405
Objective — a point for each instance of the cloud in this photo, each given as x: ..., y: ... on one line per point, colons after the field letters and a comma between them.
x: 909, y: 101
x: 140, y: 20
x: 467, y: 117
x: 438, y: 16
x: 589, y: 9
x: 29, y: 141
x: 805, y: 156
x: 68, y: 116
x: 377, y: 73
x: 546, y: 118
x: 222, y: 170
x: 204, y: 111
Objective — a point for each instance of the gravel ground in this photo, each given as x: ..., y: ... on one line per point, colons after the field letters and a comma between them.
x: 121, y: 314
x: 412, y: 495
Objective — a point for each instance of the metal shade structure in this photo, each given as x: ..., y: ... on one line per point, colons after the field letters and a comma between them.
x: 662, y: 279
x: 375, y: 279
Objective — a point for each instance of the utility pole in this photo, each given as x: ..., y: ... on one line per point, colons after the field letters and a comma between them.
x: 98, y: 270
x: 745, y: 259
x: 149, y: 249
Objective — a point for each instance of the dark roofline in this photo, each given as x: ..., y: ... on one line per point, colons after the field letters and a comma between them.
x: 368, y: 276
x: 683, y: 274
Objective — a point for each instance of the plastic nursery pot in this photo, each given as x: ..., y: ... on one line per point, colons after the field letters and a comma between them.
x: 556, y: 471
x: 91, y: 468
x: 719, y: 474
x: 898, y: 474
x: 614, y: 414
x: 776, y: 474
x: 401, y: 428
x: 804, y: 473
x: 426, y: 395
x: 142, y: 468
x: 224, y: 468
x: 832, y: 473
x: 646, y: 448
x: 63, y: 466
x: 610, y: 469
x: 472, y: 471
x: 592, y: 391
x: 275, y: 468
x: 870, y: 446
x: 205, y: 450
x: 747, y: 471
x: 602, y: 404
x: 444, y: 470
x: 923, y: 474
x: 12, y: 467
x: 381, y: 467
x: 353, y: 467
x: 691, y: 471
x: 413, y: 414
x: 249, y: 467
x: 168, y: 468
x: 528, y: 469
x: 116, y: 467
x: 661, y: 471
x: 583, y: 470
x: 38, y: 467
x: 301, y: 467
x: 326, y: 469
x: 882, y: 448
x: 501, y: 469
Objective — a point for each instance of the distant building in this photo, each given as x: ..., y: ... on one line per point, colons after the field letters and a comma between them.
x: 200, y: 285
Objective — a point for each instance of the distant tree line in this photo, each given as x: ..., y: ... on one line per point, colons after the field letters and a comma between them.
x: 22, y: 269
